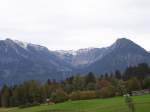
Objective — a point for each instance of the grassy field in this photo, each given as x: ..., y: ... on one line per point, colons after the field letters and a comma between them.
x: 142, y: 104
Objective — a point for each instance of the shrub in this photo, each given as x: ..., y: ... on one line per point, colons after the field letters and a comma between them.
x: 83, y: 95
x: 107, y: 92
x: 147, y: 83
x: 91, y: 86
x: 133, y: 84
x: 59, y: 96
x: 75, y: 95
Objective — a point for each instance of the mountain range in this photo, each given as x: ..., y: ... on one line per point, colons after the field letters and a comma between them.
x: 21, y: 61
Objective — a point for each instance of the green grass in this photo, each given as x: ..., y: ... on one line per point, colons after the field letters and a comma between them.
x: 142, y: 104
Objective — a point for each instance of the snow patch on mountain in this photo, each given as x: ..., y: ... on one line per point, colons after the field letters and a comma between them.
x: 21, y: 44
x: 37, y: 47
x: 63, y: 52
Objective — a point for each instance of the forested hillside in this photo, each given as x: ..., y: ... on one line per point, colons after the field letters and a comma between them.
x: 78, y: 87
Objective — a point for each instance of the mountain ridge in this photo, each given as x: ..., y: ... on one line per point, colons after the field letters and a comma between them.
x: 21, y: 61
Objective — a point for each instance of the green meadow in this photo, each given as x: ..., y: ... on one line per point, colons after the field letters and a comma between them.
x: 116, y: 104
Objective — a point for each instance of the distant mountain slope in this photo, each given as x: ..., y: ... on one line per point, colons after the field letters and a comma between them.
x: 24, y: 61
x: 21, y: 61
x: 120, y: 55
x: 82, y: 57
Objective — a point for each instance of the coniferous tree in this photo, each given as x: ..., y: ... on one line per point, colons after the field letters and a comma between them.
x: 5, y: 96
x: 90, y: 78
x: 118, y: 74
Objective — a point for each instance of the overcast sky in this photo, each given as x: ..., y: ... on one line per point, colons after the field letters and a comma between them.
x: 74, y: 24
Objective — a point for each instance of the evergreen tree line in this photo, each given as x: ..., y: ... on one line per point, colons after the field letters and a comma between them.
x: 78, y: 87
